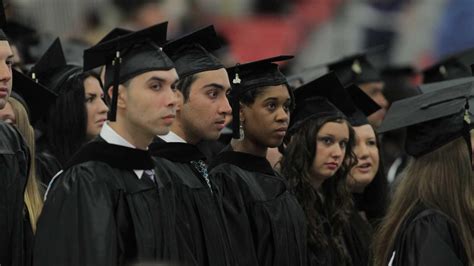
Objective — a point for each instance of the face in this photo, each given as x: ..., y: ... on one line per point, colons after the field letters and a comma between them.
x: 206, y: 111
x: 6, y: 62
x: 374, y: 90
x: 95, y: 107
x: 368, y: 158
x: 331, y: 142
x: 7, y: 115
x: 148, y: 103
x: 266, y: 121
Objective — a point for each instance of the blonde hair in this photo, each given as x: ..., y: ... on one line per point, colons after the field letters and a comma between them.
x: 33, y: 199
x: 443, y: 180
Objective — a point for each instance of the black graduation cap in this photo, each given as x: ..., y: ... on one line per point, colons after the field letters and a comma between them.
x: 451, y: 67
x: 191, y: 53
x: 365, y: 106
x: 355, y: 69
x: 127, y: 56
x: 399, y: 82
x: 114, y: 33
x: 52, y: 70
x: 435, y: 86
x: 3, y: 22
x: 352, y: 101
x: 432, y: 119
x: 37, y: 97
x: 252, y: 75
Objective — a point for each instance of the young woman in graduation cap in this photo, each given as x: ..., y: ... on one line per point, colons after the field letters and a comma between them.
x: 251, y: 190
x: 73, y: 110
x: 431, y: 216
x: 316, y: 160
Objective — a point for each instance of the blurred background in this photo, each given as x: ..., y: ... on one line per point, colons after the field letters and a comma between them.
x: 414, y: 32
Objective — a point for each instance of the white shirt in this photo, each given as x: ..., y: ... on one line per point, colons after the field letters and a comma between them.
x: 172, y: 137
x: 112, y: 137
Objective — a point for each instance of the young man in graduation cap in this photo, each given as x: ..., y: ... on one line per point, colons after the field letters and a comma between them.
x: 201, y: 114
x: 14, y: 162
x: 108, y: 207
x: 356, y: 69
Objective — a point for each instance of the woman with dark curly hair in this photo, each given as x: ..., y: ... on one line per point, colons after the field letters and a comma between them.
x: 316, y: 161
x: 75, y: 114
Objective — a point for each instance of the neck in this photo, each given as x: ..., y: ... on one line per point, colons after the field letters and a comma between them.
x: 135, y: 136
x: 179, y: 129
x: 248, y: 146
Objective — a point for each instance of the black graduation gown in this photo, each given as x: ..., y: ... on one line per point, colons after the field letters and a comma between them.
x: 428, y: 237
x: 15, y: 231
x: 47, y: 166
x: 357, y: 236
x: 251, y: 190
x: 198, y: 211
x: 99, y: 213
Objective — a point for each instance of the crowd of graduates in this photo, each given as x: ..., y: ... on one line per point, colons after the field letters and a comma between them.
x: 153, y: 152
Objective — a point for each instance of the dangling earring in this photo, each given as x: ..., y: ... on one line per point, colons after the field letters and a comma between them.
x: 241, y: 131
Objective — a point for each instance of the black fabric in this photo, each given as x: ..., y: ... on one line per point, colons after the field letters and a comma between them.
x: 357, y: 234
x: 199, y: 212
x: 428, y: 237
x: 355, y: 69
x: 47, y: 166
x: 260, y: 212
x: 104, y: 215
x: 14, y: 168
x: 191, y: 53
x: 52, y: 70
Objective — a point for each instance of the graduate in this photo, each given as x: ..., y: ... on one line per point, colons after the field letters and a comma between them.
x: 108, y: 207
x: 317, y: 157
x: 430, y: 218
x: 16, y: 235
x: 201, y: 113
x: 250, y: 189
x: 74, y: 110
x: 356, y: 69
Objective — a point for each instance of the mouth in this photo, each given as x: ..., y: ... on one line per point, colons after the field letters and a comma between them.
x: 220, y: 124
x: 332, y: 165
x: 364, y: 167
x: 281, y: 131
x: 101, y: 121
x: 3, y: 92
x: 169, y: 117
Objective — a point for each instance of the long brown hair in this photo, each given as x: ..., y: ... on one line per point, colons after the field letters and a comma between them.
x: 296, y: 163
x: 443, y: 180
x: 32, y: 197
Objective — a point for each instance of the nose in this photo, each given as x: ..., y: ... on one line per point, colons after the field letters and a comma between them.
x: 224, y: 107
x: 282, y: 115
x: 361, y: 151
x: 337, y: 151
x: 5, y: 72
x: 171, y: 97
x: 103, y: 108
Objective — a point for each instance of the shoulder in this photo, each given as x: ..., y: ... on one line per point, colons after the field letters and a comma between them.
x: 10, y: 139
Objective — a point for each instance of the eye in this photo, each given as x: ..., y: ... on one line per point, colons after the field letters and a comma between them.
x: 326, y: 140
x: 343, y: 144
x: 174, y: 87
x: 227, y: 93
x: 271, y: 106
x: 91, y: 98
x: 286, y: 107
x: 9, y: 62
x: 371, y: 143
x: 213, y: 94
x: 155, y: 86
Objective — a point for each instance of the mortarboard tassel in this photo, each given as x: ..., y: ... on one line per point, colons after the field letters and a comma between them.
x: 113, y: 107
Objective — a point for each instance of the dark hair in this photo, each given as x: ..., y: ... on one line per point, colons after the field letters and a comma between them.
x: 65, y: 123
x: 374, y: 198
x: 326, y: 218
x: 184, y: 85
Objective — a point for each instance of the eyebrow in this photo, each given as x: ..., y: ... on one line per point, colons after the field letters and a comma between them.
x: 215, y: 85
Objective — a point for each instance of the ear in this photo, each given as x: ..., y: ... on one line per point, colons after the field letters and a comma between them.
x: 122, y: 95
